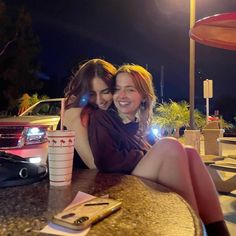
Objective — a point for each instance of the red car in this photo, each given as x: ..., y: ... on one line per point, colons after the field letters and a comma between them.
x: 25, y: 135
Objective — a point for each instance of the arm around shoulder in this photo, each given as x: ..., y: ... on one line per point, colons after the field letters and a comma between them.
x: 113, y: 151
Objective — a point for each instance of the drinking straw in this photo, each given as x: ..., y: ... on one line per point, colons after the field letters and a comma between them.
x: 62, y: 112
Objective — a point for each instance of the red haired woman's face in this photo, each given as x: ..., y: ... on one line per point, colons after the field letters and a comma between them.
x: 100, y: 94
x: 127, y: 99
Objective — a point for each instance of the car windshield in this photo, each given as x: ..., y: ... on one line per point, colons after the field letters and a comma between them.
x: 45, y: 109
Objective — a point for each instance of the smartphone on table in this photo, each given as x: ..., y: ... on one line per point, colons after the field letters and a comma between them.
x: 87, y: 213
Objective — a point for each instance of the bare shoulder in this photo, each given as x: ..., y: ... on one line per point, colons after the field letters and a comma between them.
x: 72, y: 121
x: 72, y: 112
x: 72, y: 118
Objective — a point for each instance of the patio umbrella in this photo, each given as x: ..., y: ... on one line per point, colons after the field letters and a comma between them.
x: 216, y: 31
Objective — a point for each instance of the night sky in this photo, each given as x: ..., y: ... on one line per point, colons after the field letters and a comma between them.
x: 147, y: 32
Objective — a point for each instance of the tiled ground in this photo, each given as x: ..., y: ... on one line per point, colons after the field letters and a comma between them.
x: 228, y: 202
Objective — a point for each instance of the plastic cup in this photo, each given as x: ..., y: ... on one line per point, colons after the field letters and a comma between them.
x: 60, y: 156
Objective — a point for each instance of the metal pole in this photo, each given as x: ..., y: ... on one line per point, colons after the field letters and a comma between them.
x: 207, y: 110
x: 162, y: 83
x: 192, y: 66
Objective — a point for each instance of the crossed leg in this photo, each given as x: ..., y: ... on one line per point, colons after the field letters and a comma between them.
x: 205, y: 192
x: 181, y: 169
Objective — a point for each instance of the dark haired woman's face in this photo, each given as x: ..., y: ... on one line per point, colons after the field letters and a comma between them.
x: 100, y: 94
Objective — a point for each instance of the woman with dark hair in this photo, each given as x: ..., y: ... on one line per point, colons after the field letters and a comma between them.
x: 89, y: 87
x: 78, y: 92
x: 117, y: 139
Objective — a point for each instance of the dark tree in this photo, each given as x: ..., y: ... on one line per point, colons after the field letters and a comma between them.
x: 18, y: 55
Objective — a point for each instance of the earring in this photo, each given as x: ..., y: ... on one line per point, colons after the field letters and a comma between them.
x: 143, y: 105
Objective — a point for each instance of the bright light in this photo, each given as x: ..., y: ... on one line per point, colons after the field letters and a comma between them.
x: 84, y: 100
x: 35, y: 160
x: 35, y: 135
x: 155, y: 131
x: 34, y: 131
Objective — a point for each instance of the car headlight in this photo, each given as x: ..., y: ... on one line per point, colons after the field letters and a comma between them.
x: 34, y: 135
x: 35, y: 160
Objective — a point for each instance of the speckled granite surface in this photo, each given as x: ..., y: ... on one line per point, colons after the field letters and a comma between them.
x: 145, y: 211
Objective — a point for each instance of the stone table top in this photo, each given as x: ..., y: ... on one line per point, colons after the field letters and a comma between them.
x: 147, y: 208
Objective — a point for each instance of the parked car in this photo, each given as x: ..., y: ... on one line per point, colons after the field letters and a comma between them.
x: 25, y: 135
x: 230, y: 132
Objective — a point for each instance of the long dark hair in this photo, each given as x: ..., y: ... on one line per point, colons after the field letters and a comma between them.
x: 77, y: 90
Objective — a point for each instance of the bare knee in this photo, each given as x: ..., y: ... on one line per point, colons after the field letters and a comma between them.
x: 170, y: 147
x: 171, y: 143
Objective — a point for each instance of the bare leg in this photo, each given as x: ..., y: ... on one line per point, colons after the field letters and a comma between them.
x: 204, y: 188
x: 167, y: 164
x: 182, y: 170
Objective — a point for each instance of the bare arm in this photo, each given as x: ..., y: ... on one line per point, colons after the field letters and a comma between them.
x: 72, y: 121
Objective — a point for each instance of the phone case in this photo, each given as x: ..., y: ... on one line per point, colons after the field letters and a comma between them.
x: 83, y: 215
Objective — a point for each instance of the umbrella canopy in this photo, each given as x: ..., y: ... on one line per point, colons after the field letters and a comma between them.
x: 216, y: 31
